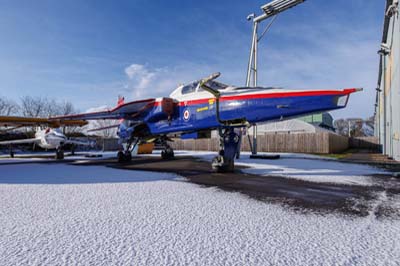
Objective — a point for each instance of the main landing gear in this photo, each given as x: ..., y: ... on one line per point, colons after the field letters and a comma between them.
x: 168, y: 152
x: 126, y: 155
x: 229, y: 142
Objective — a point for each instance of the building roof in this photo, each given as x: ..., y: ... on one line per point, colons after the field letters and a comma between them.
x: 291, y: 126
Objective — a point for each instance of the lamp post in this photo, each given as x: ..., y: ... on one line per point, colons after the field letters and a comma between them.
x: 271, y: 9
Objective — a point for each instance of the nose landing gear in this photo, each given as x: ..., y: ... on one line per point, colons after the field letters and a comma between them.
x: 229, y: 142
x: 167, y: 153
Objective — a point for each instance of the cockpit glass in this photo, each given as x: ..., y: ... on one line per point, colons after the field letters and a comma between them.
x: 217, y: 85
x: 214, y: 85
x: 190, y: 88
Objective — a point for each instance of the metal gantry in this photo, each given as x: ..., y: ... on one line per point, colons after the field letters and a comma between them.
x: 271, y: 9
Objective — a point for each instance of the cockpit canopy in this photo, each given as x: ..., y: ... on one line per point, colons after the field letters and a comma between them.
x: 194, y: 87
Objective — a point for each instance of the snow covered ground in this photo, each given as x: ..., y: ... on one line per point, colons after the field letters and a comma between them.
x: 56, y: 214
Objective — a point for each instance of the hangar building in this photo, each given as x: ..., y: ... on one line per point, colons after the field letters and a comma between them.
x: 387, y: 107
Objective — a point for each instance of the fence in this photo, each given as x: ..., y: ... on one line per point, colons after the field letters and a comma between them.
x: 321, y: 142
x: 368, y: 143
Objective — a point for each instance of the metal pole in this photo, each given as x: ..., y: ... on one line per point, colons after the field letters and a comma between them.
x: 254, y: 150
x: 255, y: 54
x: 390, y: 124
x: 384, y: 104
x: 250, y: 64
x: 377, y: 115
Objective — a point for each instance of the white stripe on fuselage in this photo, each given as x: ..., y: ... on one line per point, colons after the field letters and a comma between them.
x: 199, y: 94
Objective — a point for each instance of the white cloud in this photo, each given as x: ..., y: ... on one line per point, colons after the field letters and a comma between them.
x: 145, y: 82
x: 97, y: 109
x: 139, y: 75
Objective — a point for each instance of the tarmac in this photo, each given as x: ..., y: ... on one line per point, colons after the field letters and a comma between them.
x: 295, y: 194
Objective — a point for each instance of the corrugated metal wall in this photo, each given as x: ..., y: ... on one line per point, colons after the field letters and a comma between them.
x: 388, y: 101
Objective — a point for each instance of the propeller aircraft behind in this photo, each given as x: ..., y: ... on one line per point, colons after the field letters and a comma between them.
x: 48, y: 138
x: 206, y: 105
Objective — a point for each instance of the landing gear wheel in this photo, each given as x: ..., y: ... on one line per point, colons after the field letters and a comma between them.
x: 168, y: 153
x: 124, y: 157
x: 121, y: 157
x: 73, y: 149
x: 59, y: 154
x: 222, y: 166
x: 128, y: 156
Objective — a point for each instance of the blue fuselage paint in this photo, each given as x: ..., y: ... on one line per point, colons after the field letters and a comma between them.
x: 196, y: 117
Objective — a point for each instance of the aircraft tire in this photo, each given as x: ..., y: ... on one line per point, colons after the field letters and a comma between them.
x: 167, y: 154
x: 128, y: 157
x: 222, y: 166
x: 121, y: 157
x: 59, y: 154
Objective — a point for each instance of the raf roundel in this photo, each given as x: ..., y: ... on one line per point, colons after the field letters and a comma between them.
x: 186, y: 115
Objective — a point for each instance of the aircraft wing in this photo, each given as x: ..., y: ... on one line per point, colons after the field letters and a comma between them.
x: 19, y: 141
x: 18, y: 121
x: 131, y: 111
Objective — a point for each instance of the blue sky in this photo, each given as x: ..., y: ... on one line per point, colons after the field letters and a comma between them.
x: 89, y: 52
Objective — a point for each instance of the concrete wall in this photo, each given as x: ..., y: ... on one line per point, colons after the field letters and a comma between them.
x: 387, y: 119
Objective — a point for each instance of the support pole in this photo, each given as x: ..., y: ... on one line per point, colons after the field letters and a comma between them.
x: 271, y: 9
x: 250, y: 65
x: 255, y: 55
x: 254, y: 150
x: 384, y: 107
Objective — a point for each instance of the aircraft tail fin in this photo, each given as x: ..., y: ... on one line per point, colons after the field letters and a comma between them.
x: 121, y: 100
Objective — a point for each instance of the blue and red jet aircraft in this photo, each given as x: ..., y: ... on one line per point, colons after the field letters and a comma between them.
x: 207, y: 105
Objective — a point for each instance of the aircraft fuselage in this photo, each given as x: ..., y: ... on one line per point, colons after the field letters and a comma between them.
x: 197, y: 110
x: 50, y: 138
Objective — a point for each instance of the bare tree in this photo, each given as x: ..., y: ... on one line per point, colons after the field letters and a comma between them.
x: 33, y: 106
x: 342, y: 127
x: 8, y: 107
x: 107, y: 128
x: 355, y: 127
x: 44, y: 107
x: 67, y: 108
